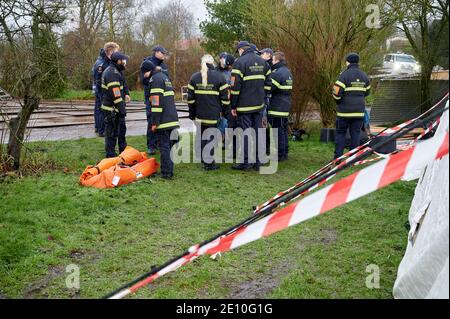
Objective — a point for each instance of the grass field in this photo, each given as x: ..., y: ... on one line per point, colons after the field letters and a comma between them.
x: 49, y: 222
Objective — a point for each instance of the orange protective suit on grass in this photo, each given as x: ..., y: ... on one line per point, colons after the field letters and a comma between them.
x: 130, y: 166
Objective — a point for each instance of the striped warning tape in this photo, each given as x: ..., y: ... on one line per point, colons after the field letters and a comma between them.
x: 349, y: 156
x: 359, y: 184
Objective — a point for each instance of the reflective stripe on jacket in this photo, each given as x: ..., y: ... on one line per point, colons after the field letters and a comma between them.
x: 206, y: 102
x: 350, y: 91
x: 281, y: 101
x: 162, y: 101
x: 250, y: 82
x: 113, y: 94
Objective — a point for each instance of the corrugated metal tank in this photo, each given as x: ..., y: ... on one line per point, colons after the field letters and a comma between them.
x: 398, y: 99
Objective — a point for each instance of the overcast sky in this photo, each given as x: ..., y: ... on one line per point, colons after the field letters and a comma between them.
x: 197, y: 7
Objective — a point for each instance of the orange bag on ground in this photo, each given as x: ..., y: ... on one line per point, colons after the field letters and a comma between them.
x: 112, y: 172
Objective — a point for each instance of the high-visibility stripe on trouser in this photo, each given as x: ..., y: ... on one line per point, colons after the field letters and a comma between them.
x: 249, y: 108
x: 169, y: 124
x: 280, y: 114
x: 108, y: 108
x: 340, y: 114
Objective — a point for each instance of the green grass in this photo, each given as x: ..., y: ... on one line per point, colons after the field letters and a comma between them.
x: 69, y: 95
x: 49, y: 222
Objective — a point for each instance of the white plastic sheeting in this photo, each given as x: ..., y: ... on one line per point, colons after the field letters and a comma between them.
x: 424, y: 270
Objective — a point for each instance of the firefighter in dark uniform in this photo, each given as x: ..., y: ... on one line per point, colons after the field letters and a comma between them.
x: 164, y: 117
x: 157, y: 58
x: 267, y: 54
x: 98, y: 114
x: 227, y: 120
x: 350, y: 91
x: 225, y: 65
x: 207, y: 99
x: 109, y: 49
x: 250, y: 83
x: 113, y: 104
x: 280, y: 102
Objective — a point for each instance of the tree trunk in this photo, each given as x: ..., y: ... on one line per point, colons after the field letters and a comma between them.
x: 111, y: 20
x: 18, y: 126
x: 425, y: 93
x: 327, y: 110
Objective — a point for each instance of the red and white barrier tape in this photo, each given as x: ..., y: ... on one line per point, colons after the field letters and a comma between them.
x: 347, y: 157
x: 428, y: 130
x: 359, y: 184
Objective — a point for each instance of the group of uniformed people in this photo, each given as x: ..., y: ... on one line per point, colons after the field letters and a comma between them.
x: 112, y: 94
x: 250, y: 92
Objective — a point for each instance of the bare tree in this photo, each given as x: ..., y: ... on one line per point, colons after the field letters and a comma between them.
x: 317, y: 36
x: 171, y: 24
x: 26, y: 25
x: 424, y: 23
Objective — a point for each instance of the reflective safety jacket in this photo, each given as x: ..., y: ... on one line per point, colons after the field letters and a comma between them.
x: 113, y: 94
x: 97, y: 71
x: 281, y: 101
x: 106, y: 63
x: 162, y: 102
x: 225, y: 72
x: 350, y: 91
x: 206, y: 102
x: 250, y: 82
x: 146, y: 81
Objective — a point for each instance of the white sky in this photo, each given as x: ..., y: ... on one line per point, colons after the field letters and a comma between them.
x: 197, y: 7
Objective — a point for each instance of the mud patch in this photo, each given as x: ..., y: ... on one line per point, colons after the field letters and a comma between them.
x: 31, y: 291
x: 76, y: 253
x: 260, y: 287
x: 328, y: 236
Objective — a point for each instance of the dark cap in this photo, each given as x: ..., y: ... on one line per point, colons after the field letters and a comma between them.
x: 229, y: 59
x: 352, y: 58
x: 222, y: 55
x: 266, y: 50
x: 147, y: 66
x: 242, y: 44
x: 116, y: 56
x: 159, y: 48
